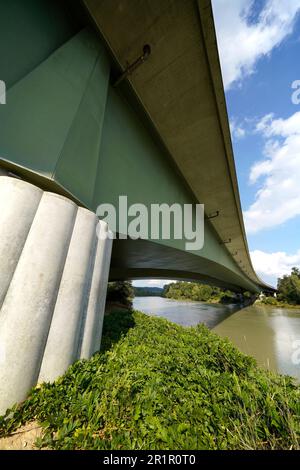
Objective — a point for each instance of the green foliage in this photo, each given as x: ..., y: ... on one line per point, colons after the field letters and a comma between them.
x: 289, y: 287
x: 121, y: 292
x: 247, y: 295
x: 198, y: 292
x: 157, y: 385
x: 269, y: 301
x: 191, y: 291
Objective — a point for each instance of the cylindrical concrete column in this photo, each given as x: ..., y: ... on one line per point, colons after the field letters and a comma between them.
x: 27, y: 310
x: 96, y: 343
x: 92, y: 325
x: 73, y: 293
x: 18, y: 204
x: 46, y: 289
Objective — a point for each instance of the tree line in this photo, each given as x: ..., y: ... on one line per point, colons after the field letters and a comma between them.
x: 288, y: 291
x: 195, y: 291
x: 288, y: 287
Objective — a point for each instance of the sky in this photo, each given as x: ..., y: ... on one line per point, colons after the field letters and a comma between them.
x: 259, y: 48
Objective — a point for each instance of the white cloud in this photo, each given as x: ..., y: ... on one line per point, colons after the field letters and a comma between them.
x: 151, y: 282
x: 237, y: 130
x: 278, y: 198
x: 279, y: 127
x: 274, y: 264
x: 264, y: 123
x: 242, y: 42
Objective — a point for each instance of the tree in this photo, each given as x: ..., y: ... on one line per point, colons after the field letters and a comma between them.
x: 121, y: 292
x: 289, y: 287
x: 296, y: 272
x: 193, y: 291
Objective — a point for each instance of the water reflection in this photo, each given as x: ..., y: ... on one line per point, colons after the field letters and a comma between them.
x: 267, y: 334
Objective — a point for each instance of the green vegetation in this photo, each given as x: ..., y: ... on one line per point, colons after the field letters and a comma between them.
x: 289, y: 287
x: 269, y: 301
x: 273, y: 302
x: 148, y: 291
x: 157, y: 385
x: 120, y: 292
x: 288, y: 291
x: 199, y: 292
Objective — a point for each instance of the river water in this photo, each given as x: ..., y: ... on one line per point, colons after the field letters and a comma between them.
x: 271, y: 335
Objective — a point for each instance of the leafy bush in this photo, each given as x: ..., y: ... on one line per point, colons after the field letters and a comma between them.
x: 157, y: 385
x: 121, y: 292
x: 269, y: 301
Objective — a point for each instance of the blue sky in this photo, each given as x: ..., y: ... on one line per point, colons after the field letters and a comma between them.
x: 259, y: 47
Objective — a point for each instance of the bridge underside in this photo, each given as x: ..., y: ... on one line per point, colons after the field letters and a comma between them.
x: 141, y: 259
x: 66, y: 129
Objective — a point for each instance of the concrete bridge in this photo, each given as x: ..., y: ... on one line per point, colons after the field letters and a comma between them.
x: 104, y: 99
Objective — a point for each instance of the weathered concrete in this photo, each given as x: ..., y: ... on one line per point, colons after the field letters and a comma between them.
x: 18, y: 204
x: 92, y: 327
x: 63, y: 343
x: 48, y: 285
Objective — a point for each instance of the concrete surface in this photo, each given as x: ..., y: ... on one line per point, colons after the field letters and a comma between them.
x: 46, y: 285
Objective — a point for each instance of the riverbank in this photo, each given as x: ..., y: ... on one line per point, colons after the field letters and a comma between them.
x: 184, y: 299
x: 197, y: 292
x: 216, y: 301
x: 157, y: 385
x: 274, y: 303
x: 270, y: 335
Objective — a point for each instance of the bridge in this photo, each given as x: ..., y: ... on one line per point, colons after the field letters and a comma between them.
x: 105, y: 99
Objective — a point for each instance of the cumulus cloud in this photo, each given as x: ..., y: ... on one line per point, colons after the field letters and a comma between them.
x: 278, y: 198
x: 274, y: 264
x: 244, y: 38
x: 270, y: 126
x: 237, y: 130
x: 151, y: 282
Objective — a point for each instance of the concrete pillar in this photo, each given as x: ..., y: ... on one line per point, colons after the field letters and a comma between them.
x: 18, y: 204
x: 48, y: 250
x: 92, y: 325
x: 105, y: 265
x: 73, y: 292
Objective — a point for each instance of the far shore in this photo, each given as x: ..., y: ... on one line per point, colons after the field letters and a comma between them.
x: 257, y: 303
x: 260, y: 303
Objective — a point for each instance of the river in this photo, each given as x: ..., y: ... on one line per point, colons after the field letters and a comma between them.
x: 266, y: 333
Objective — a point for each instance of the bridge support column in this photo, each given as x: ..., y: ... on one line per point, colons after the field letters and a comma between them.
x: 53, y: 280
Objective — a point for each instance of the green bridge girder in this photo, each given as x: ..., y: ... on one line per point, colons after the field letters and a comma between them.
x: 66, y: 129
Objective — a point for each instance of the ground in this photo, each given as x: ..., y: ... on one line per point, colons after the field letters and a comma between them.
x: 22, y: 439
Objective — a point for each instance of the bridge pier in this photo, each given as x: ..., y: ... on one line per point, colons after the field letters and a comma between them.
x: 53, y: 280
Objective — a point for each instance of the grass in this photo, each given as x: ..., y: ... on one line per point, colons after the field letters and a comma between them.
x: 157, y: 385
